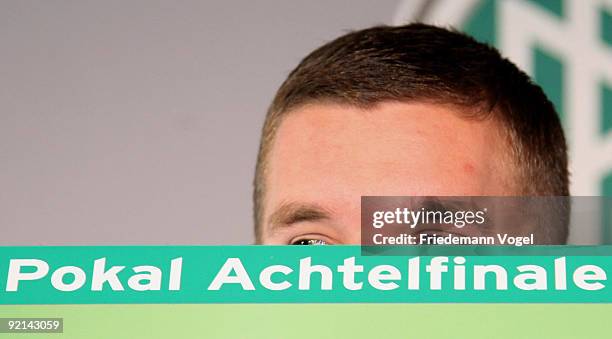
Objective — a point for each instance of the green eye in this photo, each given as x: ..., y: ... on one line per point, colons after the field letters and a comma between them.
x: 309, y: 242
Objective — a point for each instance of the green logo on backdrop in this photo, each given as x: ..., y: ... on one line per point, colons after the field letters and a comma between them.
x: 566, y: 46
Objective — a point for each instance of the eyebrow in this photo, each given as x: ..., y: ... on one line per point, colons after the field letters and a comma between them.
x: 292, y: 212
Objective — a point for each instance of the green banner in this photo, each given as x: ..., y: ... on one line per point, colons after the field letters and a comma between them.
x: 321, y: 321
x: 290, y: 274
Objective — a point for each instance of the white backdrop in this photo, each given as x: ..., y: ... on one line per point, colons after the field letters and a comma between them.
x: 137, y: 122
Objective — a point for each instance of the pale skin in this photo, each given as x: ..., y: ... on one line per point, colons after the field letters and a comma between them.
x: 326, y: 156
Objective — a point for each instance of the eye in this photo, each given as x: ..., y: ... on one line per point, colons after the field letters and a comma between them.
x: 309, y: 242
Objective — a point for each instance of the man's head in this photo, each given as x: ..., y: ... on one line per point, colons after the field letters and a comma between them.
x: 413, y: 110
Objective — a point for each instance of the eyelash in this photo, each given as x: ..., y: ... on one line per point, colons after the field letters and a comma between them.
x: 309, y: 242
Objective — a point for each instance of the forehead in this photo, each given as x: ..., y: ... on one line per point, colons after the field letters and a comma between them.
x: 331, y: 154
